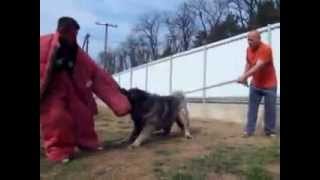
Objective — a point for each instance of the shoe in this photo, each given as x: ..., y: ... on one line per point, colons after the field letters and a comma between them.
x: 90, y: 149
x: 65, y: 161
x: 246, y: 135
x: 272, y: 135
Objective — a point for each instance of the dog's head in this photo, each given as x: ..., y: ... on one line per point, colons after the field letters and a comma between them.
x: 135, y: 95
x: 124, y: 91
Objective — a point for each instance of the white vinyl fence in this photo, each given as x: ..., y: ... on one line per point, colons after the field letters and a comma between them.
x: 202, y: 67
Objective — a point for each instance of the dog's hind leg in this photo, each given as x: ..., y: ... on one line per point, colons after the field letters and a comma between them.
x: 167, y: 130
x: 180, y: 123
x: 183, y: 117
x: 145, y: 133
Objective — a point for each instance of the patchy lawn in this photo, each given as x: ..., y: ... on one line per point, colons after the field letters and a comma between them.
x: 217, y: 151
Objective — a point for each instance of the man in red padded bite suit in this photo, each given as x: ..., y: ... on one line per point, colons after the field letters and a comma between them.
x: 68, y: 79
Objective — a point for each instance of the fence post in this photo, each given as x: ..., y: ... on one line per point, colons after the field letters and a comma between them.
x: 204, y: 92
x: 269, y: 35
x: 119, y: 78
x: 170, y: 75
x: 131, y: 73
x: 147, y: 75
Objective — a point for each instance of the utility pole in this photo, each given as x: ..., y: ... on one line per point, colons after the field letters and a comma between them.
x: 106, y: 37
x: 85, y: 45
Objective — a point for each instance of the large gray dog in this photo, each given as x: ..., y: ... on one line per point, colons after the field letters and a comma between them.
x: 151, y: 112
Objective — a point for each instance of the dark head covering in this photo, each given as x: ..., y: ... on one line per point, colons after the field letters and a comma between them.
x: 67, y: 22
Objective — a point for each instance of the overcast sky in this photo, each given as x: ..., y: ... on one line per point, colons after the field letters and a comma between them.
x: 124, y: 13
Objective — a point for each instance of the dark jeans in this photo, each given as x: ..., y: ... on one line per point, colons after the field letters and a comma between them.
x: 270, y: 98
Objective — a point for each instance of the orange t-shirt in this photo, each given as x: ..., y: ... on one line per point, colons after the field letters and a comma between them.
x: 266, y: 76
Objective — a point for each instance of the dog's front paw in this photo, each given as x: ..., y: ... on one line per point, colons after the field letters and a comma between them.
x: 188, y: 136
x: 133, y: 146
x: 123, y: 141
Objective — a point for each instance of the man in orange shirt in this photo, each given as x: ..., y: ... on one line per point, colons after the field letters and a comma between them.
x: 259, y: 65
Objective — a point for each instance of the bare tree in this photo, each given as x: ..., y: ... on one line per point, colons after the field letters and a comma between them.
x: 125, y: 55
x: 107, y: 62
x: 251, y: 7
x: 198, y: 8
x: 143, y: 54
x: 171, y: 37
x: 104, y: 61
x: 186, y: 25
x: 210, y: 12
x: 131, y: 46
x: 256, y: 13
x: 181, y: 27
x: 120, y: 55
x: 135, y: 49
x: 238, y: 8
x: 248, y: 11
x: 149, y: 25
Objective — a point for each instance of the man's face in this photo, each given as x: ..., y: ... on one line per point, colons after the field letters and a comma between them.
x: 253, y: 40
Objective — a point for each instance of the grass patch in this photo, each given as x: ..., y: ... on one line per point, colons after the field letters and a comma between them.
x: 243, y: 161
x: 65, y: 171
x: 159, y: 168
x: 166, y: 152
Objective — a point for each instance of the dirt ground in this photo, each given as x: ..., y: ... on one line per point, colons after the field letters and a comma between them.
x: 117, y: 162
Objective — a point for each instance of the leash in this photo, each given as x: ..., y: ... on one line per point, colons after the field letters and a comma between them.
x: 215, y: 85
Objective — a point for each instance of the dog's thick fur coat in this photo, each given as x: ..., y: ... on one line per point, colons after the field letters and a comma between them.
x: 151, y: 112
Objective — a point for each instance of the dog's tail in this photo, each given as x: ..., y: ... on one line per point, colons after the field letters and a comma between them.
x: 182, y: 100
x: 180, y: 95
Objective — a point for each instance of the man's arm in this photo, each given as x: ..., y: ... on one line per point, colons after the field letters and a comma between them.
x: 107, y: 89
x: 247, y: 67
x: 251, y: 71
x: 263, y: 59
